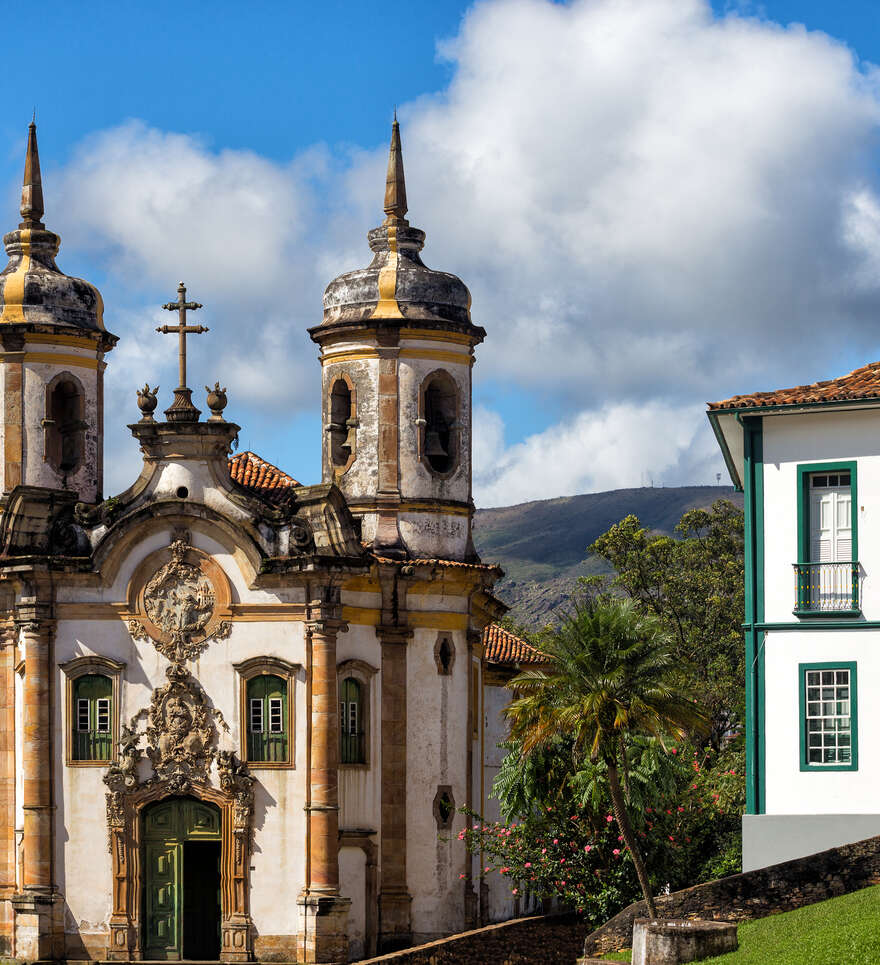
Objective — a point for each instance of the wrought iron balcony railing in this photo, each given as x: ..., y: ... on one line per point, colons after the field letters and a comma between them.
x: 826, y: 587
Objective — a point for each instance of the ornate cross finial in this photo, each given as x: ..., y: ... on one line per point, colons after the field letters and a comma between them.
x: 182, y: 409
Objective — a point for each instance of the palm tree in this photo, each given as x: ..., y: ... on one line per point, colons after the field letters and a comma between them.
x: 610, y: 676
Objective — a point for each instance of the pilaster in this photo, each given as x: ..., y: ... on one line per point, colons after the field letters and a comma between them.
x: 324, y: 913
x: 388, y: 488
x: 38, y: 930
x: 395, y: 921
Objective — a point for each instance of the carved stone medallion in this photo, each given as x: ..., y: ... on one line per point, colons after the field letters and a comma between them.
x: 182, y: 601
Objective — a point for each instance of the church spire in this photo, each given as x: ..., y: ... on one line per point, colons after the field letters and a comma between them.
x: 32, y: 189
x: 395, y: 185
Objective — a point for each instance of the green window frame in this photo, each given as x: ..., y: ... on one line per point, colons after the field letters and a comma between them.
x: 352, y: 729
x: 92, y: 718
x: 822, y: 717
x: 805, y: 471
x: 266, y: 706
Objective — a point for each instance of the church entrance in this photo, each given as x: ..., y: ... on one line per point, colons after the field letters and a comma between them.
x: 181, y: 861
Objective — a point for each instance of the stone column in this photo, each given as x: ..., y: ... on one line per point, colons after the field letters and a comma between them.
x: 13, y: 359
x: 36, y: 932
x: 324, y: 913
x: 395, y: 924
x: 36, y: 759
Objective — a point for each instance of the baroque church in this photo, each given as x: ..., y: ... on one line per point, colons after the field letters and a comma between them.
x: 241, y: 714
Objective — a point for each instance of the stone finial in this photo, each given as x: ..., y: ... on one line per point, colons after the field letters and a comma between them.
x: 32, y: 187
x: 395, y: 184
x: 216, y: 402
x: 147, y: 402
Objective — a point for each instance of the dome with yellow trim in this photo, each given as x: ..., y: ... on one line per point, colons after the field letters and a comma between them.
x: 397, y: 288
x: 33, y: 290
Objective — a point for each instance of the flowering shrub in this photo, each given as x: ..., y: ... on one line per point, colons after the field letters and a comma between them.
x: 575, y: 854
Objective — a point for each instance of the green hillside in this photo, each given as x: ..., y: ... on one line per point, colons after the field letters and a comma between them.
x: 542, y: 545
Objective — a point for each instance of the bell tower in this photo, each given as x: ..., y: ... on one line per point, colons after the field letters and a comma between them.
x: 397, y: 348
x: 52, y: 346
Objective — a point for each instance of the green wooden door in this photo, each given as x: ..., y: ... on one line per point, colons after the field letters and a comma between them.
x: 168, y: 826
x: 163, y: 932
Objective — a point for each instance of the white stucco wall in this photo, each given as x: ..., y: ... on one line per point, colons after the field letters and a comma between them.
x: 801, y: 439
x: 789, y: 441
x: 436, y: 755
x: 81, y: 831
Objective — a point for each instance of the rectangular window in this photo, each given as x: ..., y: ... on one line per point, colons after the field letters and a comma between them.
x: 827, y: 569
x: 82, y: 715
x: 103, y: 706
x: 829, y: 717
x: 256, y: 716
x: 276, y: 715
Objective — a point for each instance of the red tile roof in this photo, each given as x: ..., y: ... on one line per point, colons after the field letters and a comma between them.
x: 502, y: 646
x: 436, y: 562
x: 266, y: 480
x: 863, y: 383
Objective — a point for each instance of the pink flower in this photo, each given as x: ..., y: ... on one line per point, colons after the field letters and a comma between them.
x: 543, y: 851
x: 562, y: 883
x: 587, y: 848
x: 528, y: 864
x: 616, y: 851
x: 461, y: 876
x: 609, y: 818
x: 673, y: 751
x: 515, y: 891
x: 556, y: 840
x: 486, y: 868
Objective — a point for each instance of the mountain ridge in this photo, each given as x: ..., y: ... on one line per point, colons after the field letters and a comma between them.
x: 542, y: 544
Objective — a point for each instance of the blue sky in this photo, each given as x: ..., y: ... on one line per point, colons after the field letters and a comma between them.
x: 604, y: 339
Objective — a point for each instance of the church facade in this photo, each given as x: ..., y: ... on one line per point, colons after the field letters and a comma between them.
x: 239, y: 714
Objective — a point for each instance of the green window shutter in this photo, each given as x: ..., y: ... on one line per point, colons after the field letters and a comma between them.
x: 351, y: 723
x: 267, y: 723
x: 92, y: 720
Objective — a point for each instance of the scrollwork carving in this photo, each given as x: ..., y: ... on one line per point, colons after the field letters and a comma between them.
x: 181, y: 736
x: 137, y: 631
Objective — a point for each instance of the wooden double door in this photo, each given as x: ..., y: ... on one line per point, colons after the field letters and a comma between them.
x: 181, y: 862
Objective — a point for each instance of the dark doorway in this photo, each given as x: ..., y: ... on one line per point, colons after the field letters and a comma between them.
x: 201, y: 900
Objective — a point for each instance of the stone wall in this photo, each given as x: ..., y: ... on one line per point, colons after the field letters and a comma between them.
x: 755, y: 894
x: 559, y: 939
x: 542, y: 940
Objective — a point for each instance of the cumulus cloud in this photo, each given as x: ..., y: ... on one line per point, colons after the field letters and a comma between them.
x: 615, y: 447
x: 653, y: 206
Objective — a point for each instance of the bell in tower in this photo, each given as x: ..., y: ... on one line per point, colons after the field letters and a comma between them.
x: 397, y: 347
x: 53, y: 343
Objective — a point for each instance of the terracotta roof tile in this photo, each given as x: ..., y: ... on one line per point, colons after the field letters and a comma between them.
x: 502, y: 646
x: 266, y: 480
x: 863, y: 383
x: 438, y: 562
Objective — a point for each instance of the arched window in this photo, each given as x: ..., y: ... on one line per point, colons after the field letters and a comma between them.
x: 92, y: 738
x: 343, y: 423
x: 267, y: 724
x: 439, y: 422
x: 352, y: 748
x: 64, y: 424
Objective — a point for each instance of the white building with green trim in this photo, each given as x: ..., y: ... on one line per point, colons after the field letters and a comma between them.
x: 808, y: 462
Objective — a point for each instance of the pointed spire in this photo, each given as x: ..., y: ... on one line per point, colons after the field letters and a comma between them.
x: 32, y: 189
x: 395, y: 185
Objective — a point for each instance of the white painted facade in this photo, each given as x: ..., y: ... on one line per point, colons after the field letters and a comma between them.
x: 798, y: 805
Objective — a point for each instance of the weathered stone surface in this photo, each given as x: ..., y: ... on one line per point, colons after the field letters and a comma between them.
x: 754, y: 894
x: 674, y: 941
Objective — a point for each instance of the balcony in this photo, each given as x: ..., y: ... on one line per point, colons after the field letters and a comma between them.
x: 830, y: 589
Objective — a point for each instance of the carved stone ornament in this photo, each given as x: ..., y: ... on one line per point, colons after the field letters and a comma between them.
x: 182, y: 602
x: 181, y: 735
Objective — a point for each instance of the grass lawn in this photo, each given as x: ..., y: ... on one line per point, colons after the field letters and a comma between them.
x: 624, y: 955
x: 840, y: 931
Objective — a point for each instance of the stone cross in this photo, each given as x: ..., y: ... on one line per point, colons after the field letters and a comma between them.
x: 182, y: 306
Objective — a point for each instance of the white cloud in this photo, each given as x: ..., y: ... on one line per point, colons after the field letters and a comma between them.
x: 652, y: 207
x: 616, y: 447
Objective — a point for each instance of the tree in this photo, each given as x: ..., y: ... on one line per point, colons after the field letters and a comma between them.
x: 694, y: 585
x: 610, y: 676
